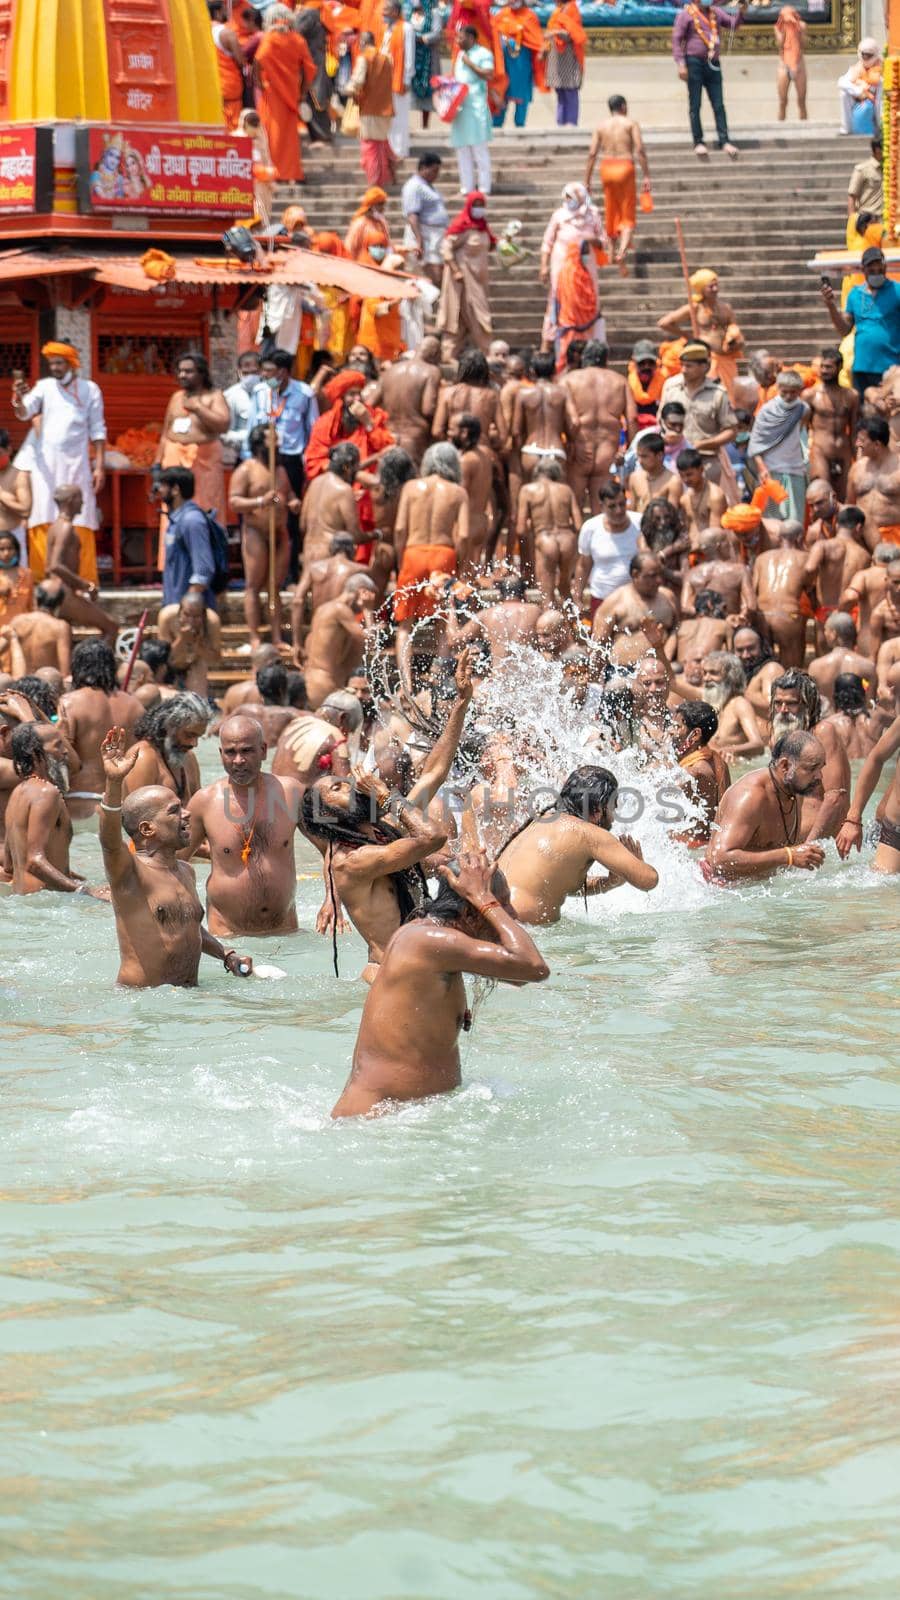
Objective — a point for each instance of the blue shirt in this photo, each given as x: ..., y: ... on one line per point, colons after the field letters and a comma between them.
x: 295, y: 410
x: 189, y: 556
x: 876, y: 320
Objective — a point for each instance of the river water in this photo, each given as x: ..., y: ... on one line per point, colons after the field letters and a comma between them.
x: 619, y: 1319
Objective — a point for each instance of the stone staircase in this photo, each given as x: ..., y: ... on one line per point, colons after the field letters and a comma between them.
x: 757, y: 221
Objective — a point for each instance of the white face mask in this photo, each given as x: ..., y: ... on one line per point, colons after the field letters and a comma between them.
x: 249, y: 381
x: 478, y: 212
x: 573, y: 205
x: 876, y: 280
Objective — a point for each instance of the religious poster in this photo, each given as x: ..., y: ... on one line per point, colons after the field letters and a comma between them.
x: 26, y: 169
x: 636, y: 26
x: 151, y: 172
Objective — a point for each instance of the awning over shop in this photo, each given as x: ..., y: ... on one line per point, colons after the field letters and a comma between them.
x: 294, y: 267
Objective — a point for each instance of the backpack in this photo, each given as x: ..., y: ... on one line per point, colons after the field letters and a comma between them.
x: 218, y: 538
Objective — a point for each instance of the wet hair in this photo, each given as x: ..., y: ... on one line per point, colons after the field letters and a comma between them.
x: 708, y: 603
x: 850, y: 517
x: 449, y: 906
x: 346, y: 705
x: 512, y: 587
x: 639, y: 561
x: 875, y: 428
x: 37, y: 692
x: 471, y: 426
x: 849, y: 694
x: 611, y: 491
x: 442, y: 461
x: 337, y: 826
x: 791, y: 746
x: 200, y: 362
x: 617, y: 102
x: 543, y: 364
x: 271, y: 682
x: 842, y: 625
x: 661, y: 524
x: 344, y: 458
x: 160, y: 722
x: 548, y: 468
x: 94, y: 666
x: 258, y: 439
x: 810, y: 698
x: 180, y: 478
x: 156, y: 653
x: 595, y: 353
x: 395, y: 468
x: 732, y: 668
x: 687, y: 459
x: 473, y: 368
x: 25, y: 748
x: 297, y: 696
x: 615, y: 711
x: 699, y: 714
x: 653, y: 442
x: 575, y: 353
x: 48, y: 599
x: 282, y: 359
x: 831, y: 353
x: 343, y: 544
x: 587, y: 792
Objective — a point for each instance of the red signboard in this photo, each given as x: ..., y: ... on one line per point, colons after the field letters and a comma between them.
x: 141, y: 63
x: 136, y: 170
x: 23, y: 175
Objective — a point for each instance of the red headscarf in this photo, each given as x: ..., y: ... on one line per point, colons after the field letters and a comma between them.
x: 464, y: 220
x: 342, y: 383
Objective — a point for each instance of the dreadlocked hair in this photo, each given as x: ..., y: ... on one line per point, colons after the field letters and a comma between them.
x: 586, y: 791
x: 810, y: 698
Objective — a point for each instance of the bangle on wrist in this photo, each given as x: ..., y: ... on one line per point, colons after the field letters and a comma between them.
x: 105, y: 807
x: 488, y: 904
x: 790, y: 855
x: 225, y: 956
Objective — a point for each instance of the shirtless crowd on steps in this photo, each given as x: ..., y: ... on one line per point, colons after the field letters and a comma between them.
x: 575, y: 528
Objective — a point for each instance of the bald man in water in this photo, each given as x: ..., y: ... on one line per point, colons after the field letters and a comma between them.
x: 248, y: 819
x: 159, y: 920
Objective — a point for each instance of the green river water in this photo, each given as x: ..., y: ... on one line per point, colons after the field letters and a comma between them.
x: 617, y: 1321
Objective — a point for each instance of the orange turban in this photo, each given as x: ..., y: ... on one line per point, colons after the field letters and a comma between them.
x: 330, y: 244
x: 66, y: 351
x: 342, y: 384
x: 373, y: 197
x: 741, y: 519
x: 294, y: 218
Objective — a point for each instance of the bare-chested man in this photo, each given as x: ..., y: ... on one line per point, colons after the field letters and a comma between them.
x: 253, y: 496
x: 759, y: 827
x: 544, y: 417
x: 62, y: 560
x: 40, y: 638
x: 194, y: 633
x: 273, y: 709
x: 618, y: 624
x: 841, y: 656
x: 857, y: 723
x: 516, y: 378
x: 867, y: 590
x: 722, y: 686
x: 159, y: 920
x: 708, y: 629
x: 329, y: 504
x: 702, y: 502
x: 694, y: 726
x: 248, y: 819
x: 93, y: 706
x: 651, y: 478
x: 38, y: 829
x: 431, y: 535
x: 547, y: 527
x: 15, y: 494
x: 832, y: 425
x: 834, y: 559
x: 620, y: 145
x: 408, y: 390
x: 337, y: 639
x: 796, y: 705
x: 551, y: 858
x: 15, y: 710
x: 780, y: 577
x: 887, y: 854
x: 237, y: 694
x: 874, y: 481
x: 885, y: 399
x: 471, y: 395
x: 760, y: 668
x: 513, y: 620
x: 324, y: 580
x: 407, y: 1043
x: 598, y: 399
x: 196, y: 418
x: 478, y: 465
x: 884, y: 623
x: 729, y: 579
x: 166, y: 738
x: 320, y: 742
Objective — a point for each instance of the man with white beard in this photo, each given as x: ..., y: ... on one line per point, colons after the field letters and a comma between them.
x: 38, y: 829
x: 722, y: 687
x: 795, y: 706
x: 166, y: 738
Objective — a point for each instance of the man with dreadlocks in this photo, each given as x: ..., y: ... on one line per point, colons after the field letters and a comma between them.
x: 167, y: 738
x: 38, y: 830
x: 93, y: 706
x: 550, y: 858
x: 796, y: 705
x: 407, y: 1046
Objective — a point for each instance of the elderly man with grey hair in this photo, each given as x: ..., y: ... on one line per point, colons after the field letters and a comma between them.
x: 723, y: 687
x: 431, y: 538
x: 166, y: 738
x: 776, y: 443
x: 320, y: 741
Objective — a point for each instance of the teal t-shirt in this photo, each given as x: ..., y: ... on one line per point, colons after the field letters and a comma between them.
x: 876, y: 319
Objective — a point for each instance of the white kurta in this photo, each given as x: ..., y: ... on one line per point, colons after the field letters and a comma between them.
x: 57, y: 450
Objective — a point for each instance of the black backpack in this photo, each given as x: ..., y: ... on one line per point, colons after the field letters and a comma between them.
x: 218, y: 538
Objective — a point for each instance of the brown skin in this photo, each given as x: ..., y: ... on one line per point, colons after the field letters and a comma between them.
x: 195, y: 633
x: 248, y: 812
x: 333, y: 743
x: 823, y: 810
x: 866, y: 590
x: 884, y: 624
x: 707, y: 784
x: 329, y: 507
x: 758, y: 824
x: 407, y: 1044
x: 207, y: 410
x: 859, y: 733
x: 832, y: 428
x: 159, y: 920
x: 38, y: 639
x: 551, y: 860
x: 252, y: 495
x: 739, y: 733
x: 432, y: 511
x: 833, y: 562
x: 697, y: 636
x: 729, y: 579
x: 747, y: 645
x: 547, y: 525
x: 780, y: 577
x: 544, y: 418
x: 887, y: 859
x: 15, y: 497
x: 336, y: 641
x: 38, y: 829
x: 824, y: 669
x: 873, y: 484
x: 61, y: 369
x: 715, y: 322
x: 88, y: 715
x: 618, y: 623
x: 651, y: 481
x: 618, y: 135
x: 702, y: 503
x: 478, y: 463
x: 509, y: 622
x: 151, y: 771
x: 322, y: 581
x: 885, y: 399
x: 408, y: 392
x: 598, y: 400
x: 458, y: 399
x: 510, y: 457
x: 887, y: 665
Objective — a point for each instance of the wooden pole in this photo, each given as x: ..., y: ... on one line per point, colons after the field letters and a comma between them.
x: 138, y: 640
x: 273, y: 518
x: 687, y: 277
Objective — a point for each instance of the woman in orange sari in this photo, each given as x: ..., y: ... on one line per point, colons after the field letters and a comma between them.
x: 576, y: 298
x: 522, y: 39
x: 565, y: 60
x: 282, y: 62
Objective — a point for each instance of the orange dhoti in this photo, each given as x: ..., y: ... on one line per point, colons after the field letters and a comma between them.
x: 619, y: 194
x: 37, y: 551
x: 286, y: 69
x: 231, y: 84
x: 379, y: 329
x: 419, y: 562
x: 205, y: 462
x: 725, y: 368
x: 888, y: 535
